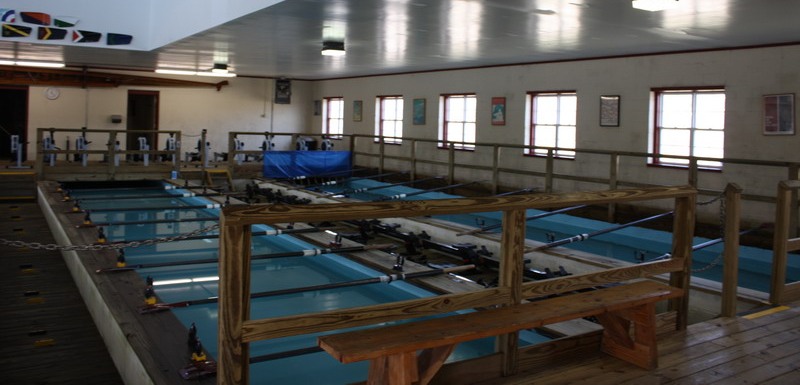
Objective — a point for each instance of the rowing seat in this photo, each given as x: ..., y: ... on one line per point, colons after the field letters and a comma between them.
x: 392, y: 350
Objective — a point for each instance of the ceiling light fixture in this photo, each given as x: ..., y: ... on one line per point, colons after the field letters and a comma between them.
x: 220, y: 68
x: 166, y: 71
x: 333, y: 48
x: 24, y: 63
x: 654, y: 5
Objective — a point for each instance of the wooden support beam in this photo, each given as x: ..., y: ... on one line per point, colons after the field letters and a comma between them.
x: 512, y: 250
x: 234, y: 303
x: 90, y: 79
x: 730, y: 265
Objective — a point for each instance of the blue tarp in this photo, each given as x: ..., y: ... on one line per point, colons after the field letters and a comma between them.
x: 285, y: 164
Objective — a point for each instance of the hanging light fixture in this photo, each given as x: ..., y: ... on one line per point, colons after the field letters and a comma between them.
x: 333, y: 48
x: 654, y: 5
x: 220, y: 68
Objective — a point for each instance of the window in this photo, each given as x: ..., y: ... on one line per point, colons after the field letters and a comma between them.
x: 552, y: 122
x: 689, y: 122
x: 333, y: 117
x: 458, y: 116
x: 389, y: 119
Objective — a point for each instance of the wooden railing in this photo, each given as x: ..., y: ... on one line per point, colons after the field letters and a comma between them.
x: 783, y: 244
x: 236, y: 330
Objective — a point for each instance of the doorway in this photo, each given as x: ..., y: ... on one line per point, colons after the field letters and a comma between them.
x: 13, y: 119
x: 142, y: 115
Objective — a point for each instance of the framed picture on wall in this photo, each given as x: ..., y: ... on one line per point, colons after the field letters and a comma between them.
x: 609, y: 110
x: 419, y: 111
x: 498, y: 111
x: 779, y: 114
x: 357, y: 108
x: 317, y: 107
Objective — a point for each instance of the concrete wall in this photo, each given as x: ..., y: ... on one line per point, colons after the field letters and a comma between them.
x: 746, y: 75
x: 244, y: 105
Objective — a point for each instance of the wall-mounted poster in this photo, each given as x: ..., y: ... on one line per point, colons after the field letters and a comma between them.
x: 498, y: 111
x: 283, y: 91
x: 419, y: 111
x: 357, y: 107
x: 779, y: 114
x: 609, y: 111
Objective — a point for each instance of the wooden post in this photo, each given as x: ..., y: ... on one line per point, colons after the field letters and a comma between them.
x: 730, y: 266
x: 352, y: 151
x: 548, y: 178
x: 233, y: 355
x: 693, y: 172
x: 451, y: 163
x: 112, y: 141
x: 779, y: 246
x: 177, y: 155
x: 512, y: 250
x: 495, y: 165
x: 382, y: 154
x: 231, y: 151
x: 38, y: 167
x: 682, y: 234
x: 613, y: 175
x: 413, y: 165
x: 794, y: 169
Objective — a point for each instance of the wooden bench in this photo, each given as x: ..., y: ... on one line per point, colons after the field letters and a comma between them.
x: 392, y: 350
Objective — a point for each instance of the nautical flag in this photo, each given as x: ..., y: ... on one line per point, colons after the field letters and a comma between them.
x: 118, y: 39
x: 11, y: 30
x: 35, y: 18
x: 47, y: 33
x: 79, y: 36
x: 7, y: 15
x: 65, y: 21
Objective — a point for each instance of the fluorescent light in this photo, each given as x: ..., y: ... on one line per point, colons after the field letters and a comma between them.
x: 205, y: 279
x: 172, y: 282
x: 194, y: 73
x: 217, y: 74
x: 220, y: 68
x: 49, y: 64
x: 654, y: 5
x: 333, y: 48
x: 174, y: 72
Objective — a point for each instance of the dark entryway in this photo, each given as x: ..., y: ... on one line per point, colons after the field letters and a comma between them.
x: 13, y: 118
x: 142, y: 115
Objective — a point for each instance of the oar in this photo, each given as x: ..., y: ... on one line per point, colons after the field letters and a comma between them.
x: 363, y: 189
x: 583, y: 237
x: 520, y: 191
x: 401, y: 196
x: 323, y: 175
x: 254, y: 233
x: 298, y: 253
x: 530, y: 218
x: 285, y: 354
x: 335, y: 285
x: 140, y: 208
x: 165, y: 187
x: 144, y: 222
x: 712, y: 242
x: 333, y: 182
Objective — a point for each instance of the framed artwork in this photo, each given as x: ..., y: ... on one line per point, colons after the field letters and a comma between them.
x: 609, y: 110
x: 357, y: 108
x: 317, y: 107
x: 283, y: 91
x: 498, y: 111
x: 419, y: 111
x: 779, y: 114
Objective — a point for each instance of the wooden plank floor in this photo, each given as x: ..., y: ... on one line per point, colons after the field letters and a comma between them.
x: 738, y: 350
x: 46, y: 333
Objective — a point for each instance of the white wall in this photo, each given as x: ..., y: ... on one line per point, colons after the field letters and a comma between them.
x: 747, y: 75
x: 244, y: 105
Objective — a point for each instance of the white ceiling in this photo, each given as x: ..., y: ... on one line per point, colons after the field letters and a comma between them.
x: 397, y: 36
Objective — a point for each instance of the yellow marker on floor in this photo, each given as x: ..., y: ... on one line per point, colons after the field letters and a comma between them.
x: 35, y: 300
x: 44, y: 342
x: 763, y: 313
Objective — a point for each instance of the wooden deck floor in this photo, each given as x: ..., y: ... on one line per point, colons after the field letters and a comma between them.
x: 46, y: 333
x: 762, y: 348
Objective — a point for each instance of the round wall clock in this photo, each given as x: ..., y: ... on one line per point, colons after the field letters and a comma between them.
x: 52, y: 93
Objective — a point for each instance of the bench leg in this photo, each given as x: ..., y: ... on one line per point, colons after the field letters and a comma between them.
x: 430, y: 360
x: 640, y: 348
x: 398, y: 369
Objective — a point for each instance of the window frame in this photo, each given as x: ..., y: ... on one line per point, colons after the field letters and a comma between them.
x: 530, y: 137
x: 445, y: 123
x: 379, y: 119
x: 655, y: 135
x: 326, y: 117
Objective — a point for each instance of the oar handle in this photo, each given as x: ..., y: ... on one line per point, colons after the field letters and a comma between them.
x: 583, y: 237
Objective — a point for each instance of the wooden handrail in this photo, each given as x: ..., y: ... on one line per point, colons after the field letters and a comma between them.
x: 236, y: 330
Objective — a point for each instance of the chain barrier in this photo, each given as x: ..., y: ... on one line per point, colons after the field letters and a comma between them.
x: 110, y: 246
x: 722, y: 213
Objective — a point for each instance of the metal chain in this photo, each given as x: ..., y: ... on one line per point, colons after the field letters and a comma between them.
x: 722, y: 213
x: 110, y: 246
